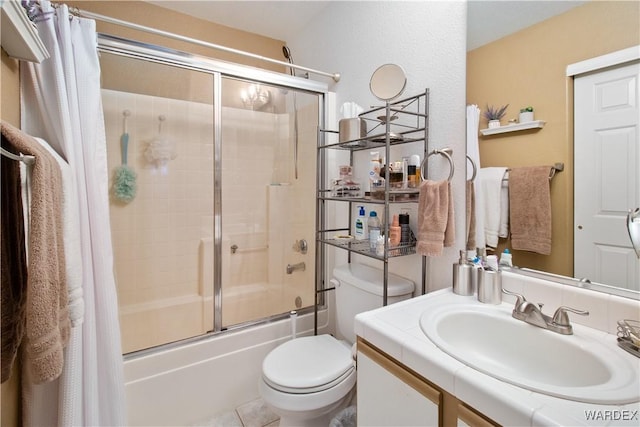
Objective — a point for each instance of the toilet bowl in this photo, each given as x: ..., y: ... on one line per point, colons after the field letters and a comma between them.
x: 308, y: 380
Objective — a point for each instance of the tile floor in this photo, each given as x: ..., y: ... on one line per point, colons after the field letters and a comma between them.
x: 251, y: 414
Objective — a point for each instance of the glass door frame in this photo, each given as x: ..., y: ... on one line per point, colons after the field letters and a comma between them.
x: 219, y: 69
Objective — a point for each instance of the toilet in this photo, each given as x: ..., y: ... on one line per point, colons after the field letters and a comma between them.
x: 308, y: 380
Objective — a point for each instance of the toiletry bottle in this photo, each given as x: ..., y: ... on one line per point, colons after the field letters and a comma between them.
x: 374, y: 170
x: 405, y: 231
x: 374, y: 230
x: 414, y: 160
x: 380, y: 246
x: 405, y: 172
x: 505, y: 258
x: 361, y: 224
x: 395, y: 233
x: 492, y: 262
x: 463, y: 283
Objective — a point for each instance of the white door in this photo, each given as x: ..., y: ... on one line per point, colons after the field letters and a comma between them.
x: 607, y: 174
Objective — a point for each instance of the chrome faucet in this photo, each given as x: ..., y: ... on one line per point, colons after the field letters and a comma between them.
x: 299, y: 266
x: 532, y: 314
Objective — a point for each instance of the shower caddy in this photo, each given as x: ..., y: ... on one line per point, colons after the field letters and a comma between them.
x: 403, y: 121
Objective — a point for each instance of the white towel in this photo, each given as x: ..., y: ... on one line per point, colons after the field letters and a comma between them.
x: 490, y: 189
x: 71, y: 233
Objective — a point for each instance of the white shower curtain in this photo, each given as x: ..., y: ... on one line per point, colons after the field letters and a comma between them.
x: 61, y: 103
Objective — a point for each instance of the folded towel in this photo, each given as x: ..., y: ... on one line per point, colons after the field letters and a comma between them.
x: 435, y: 218
x: 47, y: 318
x: 72, y: 243
x: 470, y: 216
x: 530, y: 209
x: 490, y: 186
x: 13, y: 284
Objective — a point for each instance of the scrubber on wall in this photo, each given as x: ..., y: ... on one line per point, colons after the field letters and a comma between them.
x: 124, y: 180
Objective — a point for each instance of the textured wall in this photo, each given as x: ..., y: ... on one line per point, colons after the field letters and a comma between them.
x: 428, y: 39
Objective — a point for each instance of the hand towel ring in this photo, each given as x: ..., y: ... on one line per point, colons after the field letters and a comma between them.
x: 475, y: 168
x: 445, y: 152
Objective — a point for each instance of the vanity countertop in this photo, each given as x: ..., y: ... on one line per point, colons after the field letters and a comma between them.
x: 395, y: 329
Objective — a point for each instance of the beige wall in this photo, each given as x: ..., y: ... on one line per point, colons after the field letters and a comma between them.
x: 156, y: 17
x: 528, y: 68
x: 153, y: 16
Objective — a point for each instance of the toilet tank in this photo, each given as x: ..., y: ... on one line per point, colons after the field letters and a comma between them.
x: 359, y: 288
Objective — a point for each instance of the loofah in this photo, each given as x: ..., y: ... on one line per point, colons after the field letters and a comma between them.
x: 124, y: 184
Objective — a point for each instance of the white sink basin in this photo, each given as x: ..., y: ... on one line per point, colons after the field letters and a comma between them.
x: 577, y: 367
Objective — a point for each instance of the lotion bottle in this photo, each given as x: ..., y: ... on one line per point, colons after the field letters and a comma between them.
x: 360, y: 227
x: 394, y: 232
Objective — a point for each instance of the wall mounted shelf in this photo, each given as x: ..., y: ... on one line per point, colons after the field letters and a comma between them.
x: 535, y: 124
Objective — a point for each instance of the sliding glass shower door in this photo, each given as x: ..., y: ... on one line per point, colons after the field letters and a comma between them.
x: 220, y: 230
x: 269, y: 138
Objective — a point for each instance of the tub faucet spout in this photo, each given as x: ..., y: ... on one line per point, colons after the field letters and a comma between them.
x: 299, y: 266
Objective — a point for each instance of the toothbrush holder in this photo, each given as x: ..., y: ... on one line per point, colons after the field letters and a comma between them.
x: 489, y: 286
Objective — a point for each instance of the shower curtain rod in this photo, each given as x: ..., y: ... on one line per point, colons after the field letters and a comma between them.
x: 110, y: 20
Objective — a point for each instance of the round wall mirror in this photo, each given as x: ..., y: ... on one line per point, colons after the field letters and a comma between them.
x: 387, y: 82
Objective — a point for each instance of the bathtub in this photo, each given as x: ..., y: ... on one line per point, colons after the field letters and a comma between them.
x: 193, y: 381
x: 187, y: 382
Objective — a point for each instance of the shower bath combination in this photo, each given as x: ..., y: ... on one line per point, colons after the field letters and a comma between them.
x: 203, y: 267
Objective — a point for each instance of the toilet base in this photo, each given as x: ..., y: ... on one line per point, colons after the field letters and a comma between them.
x: 290, y: 419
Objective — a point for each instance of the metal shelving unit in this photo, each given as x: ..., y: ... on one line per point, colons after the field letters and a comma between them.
x: 398, y: 122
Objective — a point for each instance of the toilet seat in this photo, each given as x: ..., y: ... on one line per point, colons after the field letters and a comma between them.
x: 308, y: 365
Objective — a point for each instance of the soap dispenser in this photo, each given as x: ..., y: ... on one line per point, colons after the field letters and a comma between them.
x: 463, y: 284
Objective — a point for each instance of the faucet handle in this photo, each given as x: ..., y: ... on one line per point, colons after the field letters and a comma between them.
x: 561, y: 318
x: 520, y: 298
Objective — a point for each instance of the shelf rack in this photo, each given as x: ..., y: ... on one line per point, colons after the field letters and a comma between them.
x: 397, y: 122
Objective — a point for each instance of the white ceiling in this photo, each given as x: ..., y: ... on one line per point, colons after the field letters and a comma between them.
x: 488, y: 20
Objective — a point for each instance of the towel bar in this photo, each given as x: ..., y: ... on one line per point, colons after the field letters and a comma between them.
x: 557, y: 167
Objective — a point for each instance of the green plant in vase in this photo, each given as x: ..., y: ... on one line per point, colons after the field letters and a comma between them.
x: 526, y: 114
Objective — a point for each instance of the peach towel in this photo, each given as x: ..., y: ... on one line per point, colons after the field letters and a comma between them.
x: 530, y: 209
x: 435, y: 218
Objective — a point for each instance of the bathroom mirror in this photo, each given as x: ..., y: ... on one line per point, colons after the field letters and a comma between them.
x: 503, y: 72
x: 388, y: 82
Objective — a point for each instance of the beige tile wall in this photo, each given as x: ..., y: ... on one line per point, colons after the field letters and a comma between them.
x: 163, y: 236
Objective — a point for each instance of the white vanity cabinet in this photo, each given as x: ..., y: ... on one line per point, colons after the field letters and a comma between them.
x: 390, y: 394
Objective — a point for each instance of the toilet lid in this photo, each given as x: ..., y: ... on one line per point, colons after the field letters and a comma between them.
x: 307, y: 364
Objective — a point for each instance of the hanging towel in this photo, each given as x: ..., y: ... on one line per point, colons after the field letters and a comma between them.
x: 435, y: 218
x: 503, y: 227
x: 470, y: 216
x: 14, y: 263
x: 71, y: 233
x: 47, y: 318
x: 490, y: 186
x: 530, y: 209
